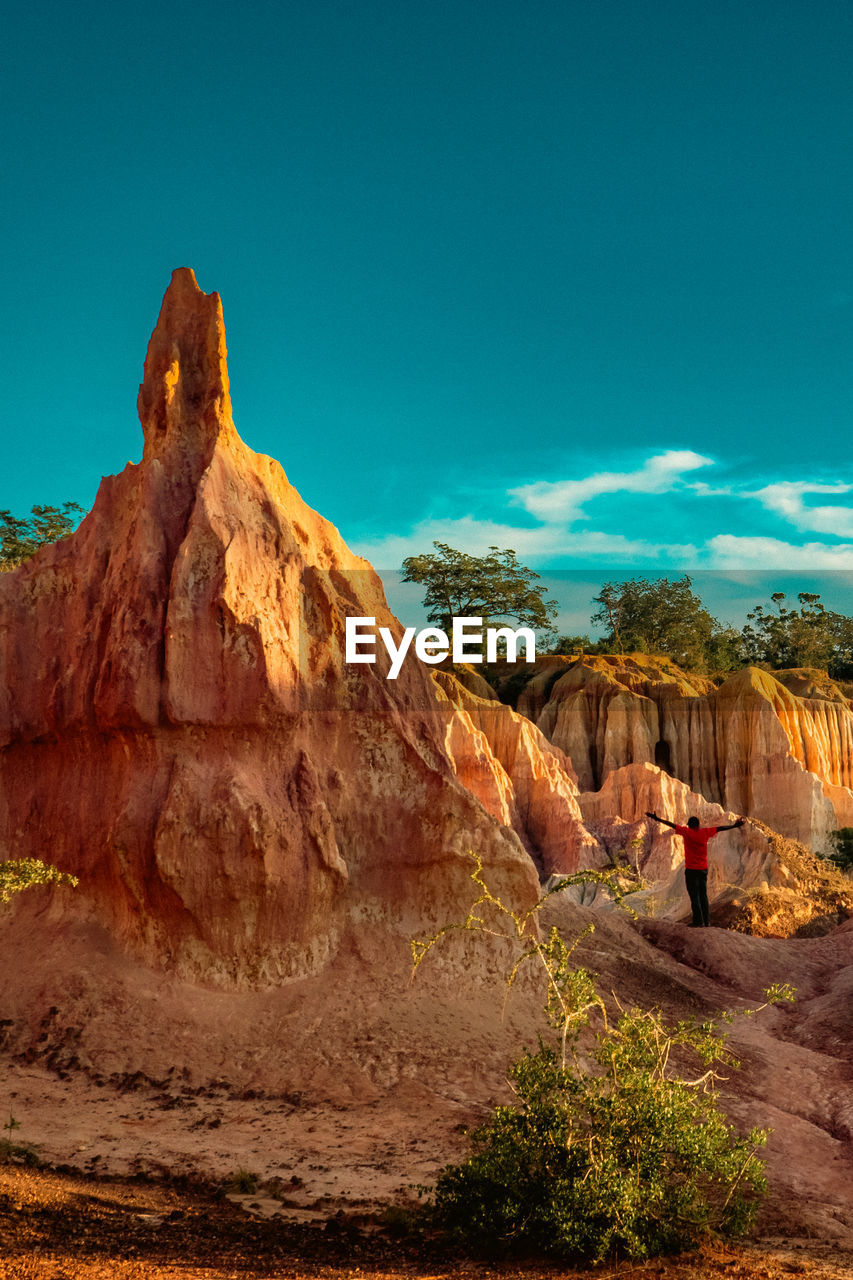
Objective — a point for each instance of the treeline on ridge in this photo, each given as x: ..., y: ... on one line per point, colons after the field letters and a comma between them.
x: 667, y: 617
x: 634, y: 615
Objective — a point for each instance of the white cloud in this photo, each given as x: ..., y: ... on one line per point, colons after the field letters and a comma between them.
x: 562, y: 501
x: 702, y: 490
x: 549, y: 541
x: 466, y: 533
x: 558, y: 507
x: 785, y: 499
x: 728, y: 551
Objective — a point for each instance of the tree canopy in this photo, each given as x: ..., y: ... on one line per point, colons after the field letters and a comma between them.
x: 811, y: 636
x: 636, y: 615
x: 494, y: 587
x: 21, y: 538
x: 663, y: 617
x: 666, y: 616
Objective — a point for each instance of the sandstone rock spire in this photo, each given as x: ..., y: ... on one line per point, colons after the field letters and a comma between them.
x: 184, y: 401
x: 181, y: 729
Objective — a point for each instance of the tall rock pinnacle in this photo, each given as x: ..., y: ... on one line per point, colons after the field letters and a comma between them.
x: 184, y: 402
x: 179, y: 726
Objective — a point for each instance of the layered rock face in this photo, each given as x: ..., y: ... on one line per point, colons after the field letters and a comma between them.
x: 616, y: 813
x: 520, y: 778
x: 776, y: 747
x: 178, y: 724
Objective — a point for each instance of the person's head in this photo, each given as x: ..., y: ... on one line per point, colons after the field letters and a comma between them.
x: 693, y: 822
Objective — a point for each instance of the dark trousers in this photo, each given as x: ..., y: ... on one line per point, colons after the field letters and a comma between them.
x: 697, y: 888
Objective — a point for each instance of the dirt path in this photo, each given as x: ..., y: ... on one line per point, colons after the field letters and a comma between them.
x: 60, y: 1226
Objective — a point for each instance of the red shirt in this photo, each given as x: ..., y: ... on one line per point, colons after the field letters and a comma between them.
x: 696, y: 846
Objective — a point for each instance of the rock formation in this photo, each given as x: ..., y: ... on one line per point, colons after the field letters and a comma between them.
x: 177, y: 722
x: 740, y: 860
x: 520, y: 778
x: 775, y: 747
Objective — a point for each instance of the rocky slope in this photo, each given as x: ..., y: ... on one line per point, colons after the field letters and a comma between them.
x: 520, y: 778
x: 376, y: 1078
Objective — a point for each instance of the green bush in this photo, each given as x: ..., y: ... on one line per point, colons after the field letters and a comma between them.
x: 629, y: 1155
x: 628, y: 1160
x: 21, y: 873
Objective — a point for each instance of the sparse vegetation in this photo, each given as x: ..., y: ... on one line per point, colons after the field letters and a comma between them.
x: 10, y: 1126
x: 841, y: 842
x: 243, y: 1182
x: 12, y: 1152
x: 22, y: 873
x: 624, y: 1152
x: 577, y: 645
x: 813, y: 898
x: 401, y: 1221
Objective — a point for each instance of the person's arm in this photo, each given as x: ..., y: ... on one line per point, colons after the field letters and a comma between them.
x: 662, y: 821
x: 732, y: 825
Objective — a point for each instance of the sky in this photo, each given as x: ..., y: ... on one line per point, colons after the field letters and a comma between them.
x: 570, y: 277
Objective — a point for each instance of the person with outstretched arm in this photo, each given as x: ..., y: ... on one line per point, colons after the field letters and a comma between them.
x: 696, y: 863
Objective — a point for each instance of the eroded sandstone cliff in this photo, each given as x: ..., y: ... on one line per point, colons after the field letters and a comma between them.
x: 521, y: 778
x: 777, y: 747
x: 177, y: 722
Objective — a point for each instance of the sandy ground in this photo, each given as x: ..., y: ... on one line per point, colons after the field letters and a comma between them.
x: 329, y: 1157
x: 57, y: 1226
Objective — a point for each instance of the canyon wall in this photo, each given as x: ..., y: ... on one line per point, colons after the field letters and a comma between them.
x: 521, y: 778
x: 777, y: 747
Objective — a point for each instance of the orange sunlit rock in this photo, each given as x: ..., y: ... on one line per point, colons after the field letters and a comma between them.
x: 180, y: 728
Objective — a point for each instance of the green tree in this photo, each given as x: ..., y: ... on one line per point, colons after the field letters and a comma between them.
x: 20, y: 539
x: 842, y: 848
x: 663, y: 617
x: 575, y: 644
x: 494, y: 587
x: 808, y: 636
x: 725, y: 650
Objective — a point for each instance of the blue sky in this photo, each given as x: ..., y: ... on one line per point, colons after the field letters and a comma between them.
x: 575, y: 278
